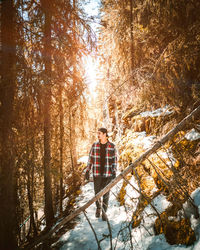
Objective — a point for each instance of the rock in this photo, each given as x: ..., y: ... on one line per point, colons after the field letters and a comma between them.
x: 190, y: 209
x: 176, y: 231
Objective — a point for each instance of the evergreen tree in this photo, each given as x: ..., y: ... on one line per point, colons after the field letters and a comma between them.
x: 152, y: 56
x: 47, y: 55
x: 7, y: 147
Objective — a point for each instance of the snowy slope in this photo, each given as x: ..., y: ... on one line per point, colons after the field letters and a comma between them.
x: 82, y: 237
x: 142, y: 237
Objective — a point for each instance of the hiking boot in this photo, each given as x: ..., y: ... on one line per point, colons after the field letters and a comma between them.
x: 98, y: 212
x: 104, y: 216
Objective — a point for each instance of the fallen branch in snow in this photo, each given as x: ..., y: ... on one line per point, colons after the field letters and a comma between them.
x: 191, y: 117
x: 109, y: 228
x: 145, y: 197
x: 178, y: 179
x: 127, y: 226
x: 95, y: 235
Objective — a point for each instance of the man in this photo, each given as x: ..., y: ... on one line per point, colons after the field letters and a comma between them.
x: 103, y: 160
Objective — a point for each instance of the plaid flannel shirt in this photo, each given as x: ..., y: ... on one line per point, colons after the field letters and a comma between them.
x: 110, y: 161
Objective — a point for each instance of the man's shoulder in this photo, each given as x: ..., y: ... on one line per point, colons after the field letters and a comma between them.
x: 96, y: 144
x: 111, y: 144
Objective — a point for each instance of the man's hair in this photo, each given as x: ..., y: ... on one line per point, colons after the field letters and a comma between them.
x: 103, y: 130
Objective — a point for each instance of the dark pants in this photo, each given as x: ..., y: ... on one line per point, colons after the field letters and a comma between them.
x: 99, y: 184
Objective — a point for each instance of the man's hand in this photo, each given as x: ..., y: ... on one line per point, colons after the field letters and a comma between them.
x: 87, y: 175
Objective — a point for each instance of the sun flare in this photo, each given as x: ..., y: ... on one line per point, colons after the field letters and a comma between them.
x: 91, y: 73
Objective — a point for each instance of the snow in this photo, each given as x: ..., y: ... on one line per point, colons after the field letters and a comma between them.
x: 139, y: 140
x: 160, y: 203
x: 192, y: 135
x: 143, y: 238
x: 83, y: 159
x: 131, y: 194
x: 142, y: 139
x: 158, y: 112
x: 196, y: 197
x: 65, y: 201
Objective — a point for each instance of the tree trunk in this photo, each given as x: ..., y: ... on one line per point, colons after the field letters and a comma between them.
x: 32, y: 229
x: 73, y: 137
x: 8, y: 232
x: 72, y: 141
x: 72, y: 114
x: 32, y: 212
x: 61, y: 149
x: 49, y: 214
x: 30, y: 172
x: 131, y: 25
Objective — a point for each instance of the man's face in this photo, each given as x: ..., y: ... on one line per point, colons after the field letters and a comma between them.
x: 101, y: 135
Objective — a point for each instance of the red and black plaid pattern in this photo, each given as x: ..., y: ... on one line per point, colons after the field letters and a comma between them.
x: 110, y: 161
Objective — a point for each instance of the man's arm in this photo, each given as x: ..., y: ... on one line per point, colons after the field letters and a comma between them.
x: 114, y: 165
x: 89, y: 164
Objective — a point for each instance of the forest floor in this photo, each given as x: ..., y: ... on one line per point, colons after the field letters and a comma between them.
x: 142, y: 237
x: 122, y: 235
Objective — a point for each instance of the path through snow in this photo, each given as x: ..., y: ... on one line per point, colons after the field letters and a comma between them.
x: 82, y: 237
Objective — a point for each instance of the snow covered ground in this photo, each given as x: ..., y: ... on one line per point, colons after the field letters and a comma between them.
x: 82, y: 237
x: 123, y: 236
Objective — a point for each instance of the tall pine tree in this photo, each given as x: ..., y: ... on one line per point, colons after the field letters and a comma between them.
x: 7, y: 150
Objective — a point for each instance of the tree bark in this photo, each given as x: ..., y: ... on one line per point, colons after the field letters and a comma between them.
x: 61, y: 150
x: 32, y: 228
x: 131, y: 25
x: 72, y: 140
x: 8, y: 225
x: 30, y: 172
x: 48, y: 210
x: 72, y: 114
